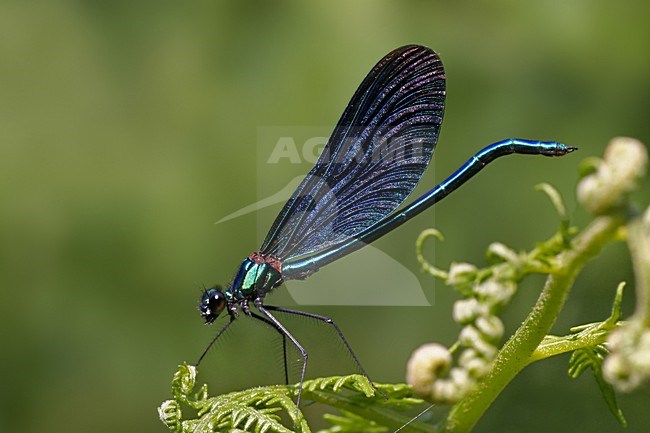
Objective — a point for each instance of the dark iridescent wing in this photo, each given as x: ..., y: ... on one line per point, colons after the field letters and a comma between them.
x: 373, y: 160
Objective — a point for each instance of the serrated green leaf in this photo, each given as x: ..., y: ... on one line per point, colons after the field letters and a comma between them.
x: 616, y: 305
x: 578, y: 363
x: 593, y: 357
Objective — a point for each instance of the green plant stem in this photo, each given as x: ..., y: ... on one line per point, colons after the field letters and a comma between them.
x: 555, y: 345
x: 516, y: 353
x: 382, y: 417
x: 639, y: 243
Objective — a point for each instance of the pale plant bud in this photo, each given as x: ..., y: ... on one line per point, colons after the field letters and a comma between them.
x: 628, y: 159
x: 487, y: 350
x: 640, y: 358
x: 460, y: 273
x: 467, y: 310
x: 616, y: 371
x: 491, y: 327
x: 460, y: 377
x: 427, y: 365
x: 444, y: 392
x: 495, y: 293
x: 471, y: 337
x: 628, y: 364
x: 466, y: 356
x: 449, y: 391
x: 500, y: 250
x: 475, y: 365
x: 623, y: 165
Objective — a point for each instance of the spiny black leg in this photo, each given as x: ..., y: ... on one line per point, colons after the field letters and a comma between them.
x: 284, y: 343
x: 286, y: 362
x: 281, y: 328
x: 338, y: 331
x: 216, y: 337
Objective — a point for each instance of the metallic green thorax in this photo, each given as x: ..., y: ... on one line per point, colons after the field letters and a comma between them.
x: 257, y: 276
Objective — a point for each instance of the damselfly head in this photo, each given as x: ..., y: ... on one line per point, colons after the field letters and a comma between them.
x: 213, y: 301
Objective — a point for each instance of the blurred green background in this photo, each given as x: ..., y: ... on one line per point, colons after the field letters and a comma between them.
x: 128, y: 128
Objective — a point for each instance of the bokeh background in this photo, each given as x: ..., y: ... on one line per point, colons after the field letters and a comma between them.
x: 128, y: 128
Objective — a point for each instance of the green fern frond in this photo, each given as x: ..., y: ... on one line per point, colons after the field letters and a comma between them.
x: 351, y: 423
x: 355, y: 382
x: 363, y: 407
